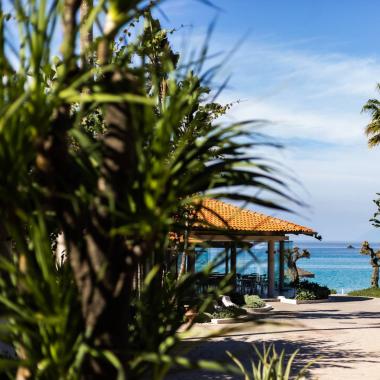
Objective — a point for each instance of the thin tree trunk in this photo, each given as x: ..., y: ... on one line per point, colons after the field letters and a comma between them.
x: 182, y: 268
x: 375, y: 269
x: 293, y: 271
x: 86, y: 35
x: 375, y: 276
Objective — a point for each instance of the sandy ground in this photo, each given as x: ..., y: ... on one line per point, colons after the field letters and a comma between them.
x: 345, y: 332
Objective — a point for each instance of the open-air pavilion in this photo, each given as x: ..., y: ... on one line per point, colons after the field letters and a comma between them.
x: 222, y: 225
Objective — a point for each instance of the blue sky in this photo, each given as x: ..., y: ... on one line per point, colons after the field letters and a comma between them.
x: 307, y: 66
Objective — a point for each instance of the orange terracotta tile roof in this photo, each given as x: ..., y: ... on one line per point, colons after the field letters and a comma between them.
x: 216, y: 214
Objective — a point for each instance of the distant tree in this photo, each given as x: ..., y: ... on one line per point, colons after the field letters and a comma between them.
x: 372, y: 129
x: 292, y: 256
x: 373, y: 132
x: 375, y: 262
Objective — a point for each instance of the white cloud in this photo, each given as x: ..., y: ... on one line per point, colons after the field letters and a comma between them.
x: 295, y: 121
x: 314, y: 102
x: 314, y: 96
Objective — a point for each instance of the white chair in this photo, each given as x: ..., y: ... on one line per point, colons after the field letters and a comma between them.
x: 226, y: 301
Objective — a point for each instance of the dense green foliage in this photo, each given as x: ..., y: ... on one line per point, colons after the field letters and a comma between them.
x: 253, y: 301
x: 307, y: 290
x: 228, y: 312
x: 369, y: 292
x: 115, y: 155
x: 305, y: 295
x: 203, y: 318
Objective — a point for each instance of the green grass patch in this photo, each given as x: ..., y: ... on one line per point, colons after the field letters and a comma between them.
x: 370, y: 292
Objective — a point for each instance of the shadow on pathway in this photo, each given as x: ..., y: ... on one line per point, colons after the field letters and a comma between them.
x: 331, y: 354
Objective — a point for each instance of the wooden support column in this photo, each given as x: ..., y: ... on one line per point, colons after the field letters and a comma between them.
x: 226, y: 252
x: 270, y: 268
x: 233, y: 265
x: 5, y: 243
x: 281, y: 258
x: 191, y: 261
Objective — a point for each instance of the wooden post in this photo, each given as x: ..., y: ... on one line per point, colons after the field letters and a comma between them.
x: 281, y: 258
x: 191, y: 261
x: 5, y: 243
x: 270, y: 268
x: 226, y: 251
x: 233, y: 265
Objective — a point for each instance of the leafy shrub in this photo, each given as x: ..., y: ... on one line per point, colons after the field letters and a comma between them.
x: 305, y: 295
x: 202, y: 318
x: 228, y: 312
x: 311, y: 289
x: 333, y: 291
x: 253, y: 301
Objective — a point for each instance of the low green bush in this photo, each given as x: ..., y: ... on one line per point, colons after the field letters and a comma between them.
x: 228, y: 312
x: 253, y: 301
x: 311, y: 289
x: 333, y: 291
x: 305, y: 295
x: 202, y: 318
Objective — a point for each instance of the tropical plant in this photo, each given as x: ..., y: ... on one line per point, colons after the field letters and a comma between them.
x: 367, y: 250
x: 253, y: 301
x: 113, y: 148
x: 270, y: 365
x: 228, y: 312
x: 372, y: 129
x: 202, y: 318
x: 40, y: 305
x: 305, y: 295
x: 311, y: 290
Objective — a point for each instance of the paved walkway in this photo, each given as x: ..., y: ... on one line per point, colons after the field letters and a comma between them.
x: 345, y: 331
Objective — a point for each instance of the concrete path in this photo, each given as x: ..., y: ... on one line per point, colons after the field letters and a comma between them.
x: 345, y: 331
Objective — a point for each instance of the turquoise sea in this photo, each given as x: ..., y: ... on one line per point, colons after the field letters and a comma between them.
x: 337, y: 266
x: 332, y: 263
